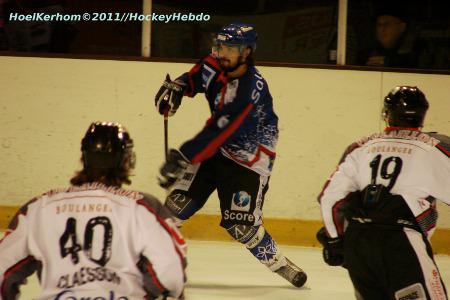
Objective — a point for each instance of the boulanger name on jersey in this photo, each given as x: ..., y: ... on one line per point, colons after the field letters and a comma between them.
x: 93, y: 242
x: 413, y: 164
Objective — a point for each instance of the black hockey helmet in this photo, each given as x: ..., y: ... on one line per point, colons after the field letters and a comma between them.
x: 405, y: 106
x: 107, y: 145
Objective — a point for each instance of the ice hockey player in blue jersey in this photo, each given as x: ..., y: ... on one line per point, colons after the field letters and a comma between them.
x: 235, y: 151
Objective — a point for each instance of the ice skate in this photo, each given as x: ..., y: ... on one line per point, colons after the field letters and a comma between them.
x: 292, y: 273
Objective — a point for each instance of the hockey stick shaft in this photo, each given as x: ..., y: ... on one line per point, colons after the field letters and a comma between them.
x: 166, y: 134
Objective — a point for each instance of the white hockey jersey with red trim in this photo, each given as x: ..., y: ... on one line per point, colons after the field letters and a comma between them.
x: 93, y: 241
x: 414, y: 164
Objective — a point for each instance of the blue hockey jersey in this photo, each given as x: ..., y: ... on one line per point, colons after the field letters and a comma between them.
x: 242, y: 126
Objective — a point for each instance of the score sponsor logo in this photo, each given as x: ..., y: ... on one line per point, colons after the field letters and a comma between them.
x: 240, y: 207
x: 239, y: 216
x: 241, y: 201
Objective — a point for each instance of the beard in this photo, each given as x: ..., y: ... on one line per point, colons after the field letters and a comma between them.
x: 227, y: 65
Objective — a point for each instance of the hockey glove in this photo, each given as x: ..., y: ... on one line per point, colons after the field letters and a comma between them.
x: 172, y: 169
x: 333, y: 248
x: 169, y: 96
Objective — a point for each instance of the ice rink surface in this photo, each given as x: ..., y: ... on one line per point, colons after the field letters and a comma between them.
x: 226, y: 270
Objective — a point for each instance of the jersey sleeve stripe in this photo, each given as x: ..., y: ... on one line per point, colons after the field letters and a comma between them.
x: 16, y: 274
x: 260, y: 149
x: 195, y: 69
x: 8, y: 232
x: 151, y: 283
x: 22, y: 211
x: 347, y: 151
x: 209, y: 60
x: 423, y: 214
x: 443, y: 150
x: 427, y: 220
x: 319, y: 198
x: 175, y: 237
x: 213, y: 62
x: 152, y: 273
x: 338, y: 222
x: 221, y: 138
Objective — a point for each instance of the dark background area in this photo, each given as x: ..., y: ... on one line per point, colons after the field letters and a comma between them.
x: 302, y: 31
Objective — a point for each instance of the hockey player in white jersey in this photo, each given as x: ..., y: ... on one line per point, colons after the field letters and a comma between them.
x: 379, y: 207
x: 95, y: 240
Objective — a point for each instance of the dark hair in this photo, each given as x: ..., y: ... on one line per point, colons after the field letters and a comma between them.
x: 250, y: 60
x: 107, y: 176
x: 107, y: 155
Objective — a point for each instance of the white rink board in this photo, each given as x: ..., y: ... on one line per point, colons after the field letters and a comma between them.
x: 48, y: 103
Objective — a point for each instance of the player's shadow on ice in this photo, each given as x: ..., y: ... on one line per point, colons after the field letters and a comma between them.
x: 260, y: 288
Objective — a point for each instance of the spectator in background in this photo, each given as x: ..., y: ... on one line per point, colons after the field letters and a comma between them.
x: 395, y: 45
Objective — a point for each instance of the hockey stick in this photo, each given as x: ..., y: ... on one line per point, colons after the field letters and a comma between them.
x: 166, y: 134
